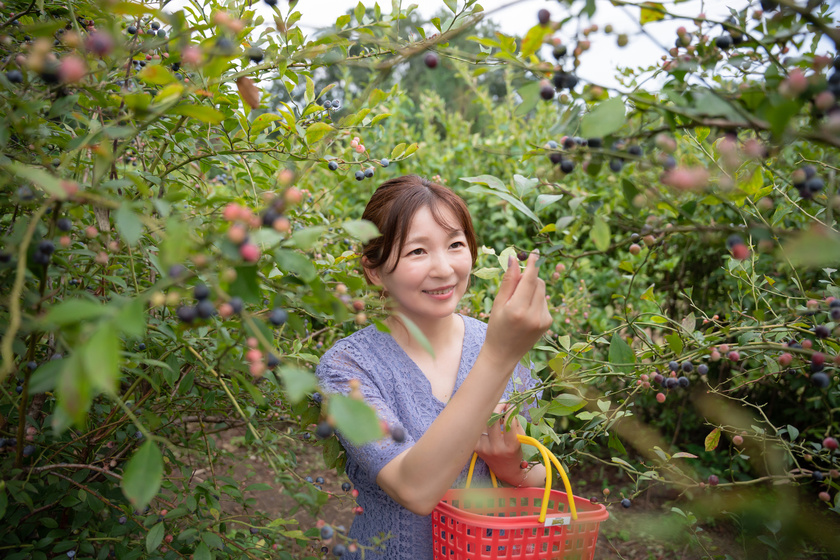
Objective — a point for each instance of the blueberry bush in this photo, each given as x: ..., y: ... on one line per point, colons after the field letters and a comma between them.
x: 181, y: 193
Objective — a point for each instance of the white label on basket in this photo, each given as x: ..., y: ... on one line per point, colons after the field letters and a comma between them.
x: 558, y: 520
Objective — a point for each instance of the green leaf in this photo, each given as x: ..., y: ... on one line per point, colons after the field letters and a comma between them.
x: 142, y: 475
x: 530, y: 94
x: 398, y: 150
x: 73, y: 311
x: 341, y: 21
x: 688, y: 323
x: 155, y: 536
x: 792, y: 432
x: 128, y: 224
x: 156, y: 74
x: 73, y: 390
x: 363, y: 230
x: 354, y: 419
x: 621, y: 356
x: 712, y: 440
x: 262, y: 122
x: 295, y: 263
x: 101, y: 358
x: 200, y: 112
x: 452, y: 5
x: 604, y: 119
x: 317, y: 131
x: 648, y: 295
x: 246, y: 285
x: 534, y: 39
x: 306, y: 238
x: 202, y: 552
x: 545, y: 200
x: 487, y: 273
x: 488, y: 180
x: 417, y: 334
x: 131, y: 318
x: 45, y: 377
x: 615, y: 444
x: 600, y: 234
x: 651, y: 11
x: 50, y: 184
x: 813, y: 248
x: 512, y: 200
x: 675, y: 342
x: 360, y: 13
x: 212, y: 540
x: 565, y: 404
x: 298, y: 382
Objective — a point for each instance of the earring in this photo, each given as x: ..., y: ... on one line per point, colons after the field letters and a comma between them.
x: 383, y: 300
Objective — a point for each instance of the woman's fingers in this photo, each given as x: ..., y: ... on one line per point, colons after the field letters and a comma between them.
x: 510, y: 281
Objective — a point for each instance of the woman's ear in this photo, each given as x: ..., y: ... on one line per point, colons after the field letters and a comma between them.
x: 372, y: 273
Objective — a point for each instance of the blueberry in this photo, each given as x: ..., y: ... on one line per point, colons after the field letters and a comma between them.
x: 3, y: 444
x: 19, y: 389
x: 346, y: 486
x: 41, y: 258
x: 177, y: 270
x: 155, y: 25
x: 683, y: 382
x: 724, y: 42
x: 324, y: 430
x: 336, y: 104
x: 669, y: 162
x: 671, y: 382
x: 626, y: 503
x: 64, y: 224
x: 205, y: 309
x: 327, y: 532
x: 71, y: 553
x: 271, y: 3
x: 616, y: 164
x: 316, y: 398
x: 332, y: 165
x: 702, y: 369
x: 272, y: 361
x: 552, y: 145
x: 14, y: 76
x: 595, y: 142
x: 254, y: 530
x: 810, y: 171
x: 131, y: 30
x: 733, y: 240
x: 236, y: 304
x: 32, y: 366
x: 431, y: 61
x: 635, y: 150
x: 369, y: 172
x: 820, y: 380
x: 187, y: 314
x: 814, y: 185
x: 278, y: 316
x: 559, y: 51
x: 821, y: 331
x: 398, y: 434
x: 687, y: 366
x: 673, y: 366
x: 544, y: 16
x: 555, y: 157
x: 567, y: 166
x: 161, y: 34
x: 320, y: 480
x: 384, y: 162
x: 201, y: 292
x: 269, y: 216
x: 138, y: 435
x: 360, y: 175
x: 122, y: 520
x: 340, y: 549
x: 547, y: 92
x: 309, y: 479
x: 818, y: 476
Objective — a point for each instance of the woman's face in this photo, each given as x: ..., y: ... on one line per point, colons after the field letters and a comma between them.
x: 434, y: 268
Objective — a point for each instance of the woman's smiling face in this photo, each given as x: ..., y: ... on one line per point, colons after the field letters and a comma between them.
x: 434, y: 267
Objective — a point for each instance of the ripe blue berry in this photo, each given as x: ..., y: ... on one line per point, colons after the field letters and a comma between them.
x: 398, y: 434
x: 332, y: 165
x: 346, y: 486
x: 384, y: 162
x: 702, y: 369
x: 201, y: 292
x: 187, y: 314
x: 339, y: 549
x: 205, y: 309
x: 687, y: 366
x: 64, y: 224
x: 278, y: 316
x: 820, y: 380
x: 236, y: 304
x: 360, y: 175
x: 626, y: 503
x: 324, y: 430
x: 319, y: 480
x: 327, y: 532
x: 673, y: 366
x: 683, y: 382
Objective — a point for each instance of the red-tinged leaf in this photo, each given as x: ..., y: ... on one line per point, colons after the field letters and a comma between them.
x: 248, y: 91
x: 712, y: 440
x: 683, y: 455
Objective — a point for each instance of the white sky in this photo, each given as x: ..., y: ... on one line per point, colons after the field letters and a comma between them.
x: 597, y: 65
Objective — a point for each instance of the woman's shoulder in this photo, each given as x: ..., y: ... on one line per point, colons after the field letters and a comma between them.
x: 475, y: 326
x: 359, y: 341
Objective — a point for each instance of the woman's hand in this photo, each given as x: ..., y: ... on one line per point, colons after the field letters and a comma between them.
x: 520, y: 313
x: 501, y: 449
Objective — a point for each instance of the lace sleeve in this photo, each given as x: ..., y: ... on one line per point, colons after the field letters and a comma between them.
x: 523, y: 379
x: 337, y: 368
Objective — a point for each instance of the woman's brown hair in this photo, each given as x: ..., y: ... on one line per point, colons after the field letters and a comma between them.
x: 393, y: 206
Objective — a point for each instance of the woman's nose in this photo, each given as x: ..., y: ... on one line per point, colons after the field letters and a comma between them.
x: 441, y: 263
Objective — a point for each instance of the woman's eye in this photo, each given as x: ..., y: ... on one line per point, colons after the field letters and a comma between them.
x: 458, y: 244
x: 415, y: 252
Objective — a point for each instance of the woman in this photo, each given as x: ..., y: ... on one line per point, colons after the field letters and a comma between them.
x: 422, y: 262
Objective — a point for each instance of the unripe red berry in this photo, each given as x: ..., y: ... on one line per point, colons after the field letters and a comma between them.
x: 785, y: 359
x: 249, y: 252
x: 734, y: 356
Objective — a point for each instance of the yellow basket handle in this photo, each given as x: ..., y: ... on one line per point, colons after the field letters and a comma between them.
x: 546, y: 456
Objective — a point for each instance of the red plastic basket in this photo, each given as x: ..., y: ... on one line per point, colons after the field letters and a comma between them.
x: 471, y: 524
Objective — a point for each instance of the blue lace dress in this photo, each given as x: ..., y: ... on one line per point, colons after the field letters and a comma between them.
x: 401, y: 394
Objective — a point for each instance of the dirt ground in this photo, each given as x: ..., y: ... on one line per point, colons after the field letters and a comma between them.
x: 648, y: 530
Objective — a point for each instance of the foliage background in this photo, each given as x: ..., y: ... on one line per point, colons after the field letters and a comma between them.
x: 178, y: 156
